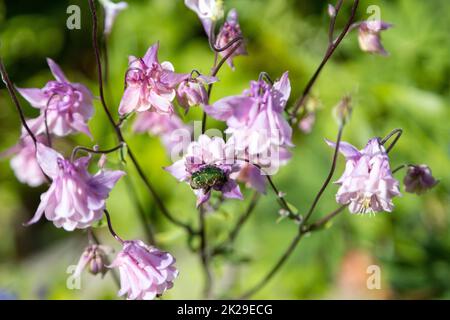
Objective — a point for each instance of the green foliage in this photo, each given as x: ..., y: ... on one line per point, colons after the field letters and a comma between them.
x: 408, y: 89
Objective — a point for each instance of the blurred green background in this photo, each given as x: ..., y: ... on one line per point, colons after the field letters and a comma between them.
x: 408, y: 89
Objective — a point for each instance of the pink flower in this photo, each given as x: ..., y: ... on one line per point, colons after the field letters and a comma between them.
x: 145, y: 272
x: 149, y: 84
x: 255, y: 118
x: 174, y: 134
x: 209, y: 164
x: 67, y: 106
x: 192, y: 91
x: 367, y: 184
x: 419, y: 179
x: 369, y: 36
x: 306, y: 124
x: 111, y: 11
x: 93, y: 258
x: 208, y: 11
x: 229, y: 31
x: 75, y: 198
x: 24, y: 163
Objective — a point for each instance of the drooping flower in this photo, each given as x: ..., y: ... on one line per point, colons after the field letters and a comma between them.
x: 367, y: 184
x: 145, y: 272
x: 66, y: 106
x: 255, y: 118
x: 369, y: 36
x: 24, y: 163
x: 174, y: 134
x: 111, y: 11
x: 306, y: 123
x: 75, y: 198
x: 419, y: 179
x: 192, y: 91
x: 229, y: 31
x: 93, y: 258
x: 150, y: 85
x: 209, y: 164
x: 208, y: 11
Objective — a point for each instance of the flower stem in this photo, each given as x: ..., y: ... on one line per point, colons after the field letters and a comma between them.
x: 301, y: 227
x: 397, y: 132
x: 10, y: 88
x: 330, y: 50
x: 237, y: 227
x: 110, y: 227
x: 118, y: 131
x: 93, y: 238
x: 88, y: 150
x: 204, y: 254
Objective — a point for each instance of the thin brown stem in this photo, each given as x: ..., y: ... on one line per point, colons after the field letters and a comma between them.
x: 204, y: 254
x: 301, y: 227
x: 397, y: 133
x: 93, y: 238
x: 330, y: 50
x: 12, y: 94
x: 337, y: 7
x: 95, y: 151
x: 141, y: 212
x: 118, y: 131
x: 110, y: 227
x: 238, y: 226
x: 324, y: 220
x: 328, y: 178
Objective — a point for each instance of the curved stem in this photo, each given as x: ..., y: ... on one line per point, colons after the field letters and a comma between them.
x: 12, y: 94
x: 277, y: 266
x: 337, y: 7
x: 110, y: 227
x: 401, y: 167
x: 328, y: 179
x: 238, y: 226
x: 397, y: 132
x: 323, y: 221
x: 300, y: 231
x: 214, y: 72
x: 141, y: 212
x: 265, y: 76
x: 118, y: 131
x: 88, y: 150
x: 330, y: 50
x: 93, y: 238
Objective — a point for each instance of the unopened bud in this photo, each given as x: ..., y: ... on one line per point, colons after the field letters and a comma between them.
x: 343, y: 110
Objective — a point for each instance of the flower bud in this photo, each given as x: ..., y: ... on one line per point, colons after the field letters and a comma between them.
x: 343, y: 110
x: 331, y: 10
x: 369, y: 36
x: 419, y: 179
x: 192, y: 92
x: 94, y: 259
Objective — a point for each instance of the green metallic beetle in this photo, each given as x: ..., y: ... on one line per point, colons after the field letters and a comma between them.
x: 208, y: 177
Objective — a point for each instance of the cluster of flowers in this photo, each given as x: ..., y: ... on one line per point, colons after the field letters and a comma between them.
x: 258, y: 144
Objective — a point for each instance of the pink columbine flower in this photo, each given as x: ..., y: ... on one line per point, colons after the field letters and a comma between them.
x: 24, y: 163
x: 66, y: 106
x: 75, y: 198
x: 150, y: 85
x: 367, y: 184
x: 208, y: 11
x: 419, y: 179
x: 94, y: 259
x: 369, y: 36
x: 174, y: 134
x: 192, y: 92
x: 209, y: 164
x: 145, y: 272
x: 111, y: 11
x: 229, y: 31
x: 255, y: 118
